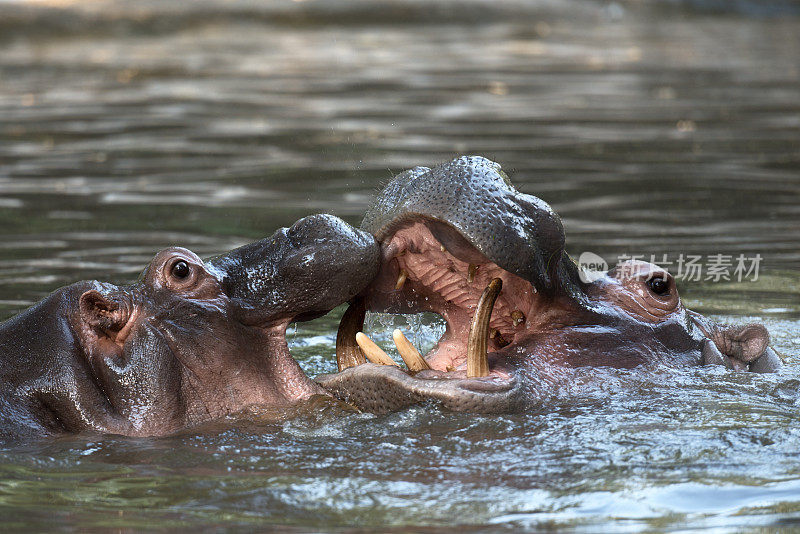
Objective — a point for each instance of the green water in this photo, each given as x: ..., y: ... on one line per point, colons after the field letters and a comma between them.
x: 651, y: 127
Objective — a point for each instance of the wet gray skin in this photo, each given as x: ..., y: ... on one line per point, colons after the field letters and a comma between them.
x: 188, y: 343
x: 447, y: 232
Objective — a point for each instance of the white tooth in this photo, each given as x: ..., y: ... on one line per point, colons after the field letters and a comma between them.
x: 408, y: 352
x: 401, y: 280
x: 372, y: 351
x: 478, y: 342
x: 471, y: 272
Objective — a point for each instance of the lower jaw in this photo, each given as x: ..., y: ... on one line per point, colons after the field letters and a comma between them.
x: 382, y: 389
x: 495, y: 373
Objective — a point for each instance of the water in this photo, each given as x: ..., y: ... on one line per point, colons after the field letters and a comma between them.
x: 652, y: 128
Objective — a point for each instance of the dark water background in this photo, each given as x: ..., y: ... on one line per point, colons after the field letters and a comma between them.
x: 652, y: 127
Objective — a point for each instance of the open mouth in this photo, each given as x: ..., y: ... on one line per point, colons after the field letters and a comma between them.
x: 485, y: 307
x: 460, y: 241
x: 457, y: 240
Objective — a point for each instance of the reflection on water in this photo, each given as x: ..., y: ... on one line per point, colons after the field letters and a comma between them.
x: 652, y: 127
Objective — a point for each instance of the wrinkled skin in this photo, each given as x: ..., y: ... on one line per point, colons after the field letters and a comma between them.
x: 188, y: 343
x: 452, y: 229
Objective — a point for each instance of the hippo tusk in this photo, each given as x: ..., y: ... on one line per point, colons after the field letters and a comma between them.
x: 408, y: 352
x: 348, y: 353
x: 478, y: 343
x: 401, y: 280
x: 372, y: 351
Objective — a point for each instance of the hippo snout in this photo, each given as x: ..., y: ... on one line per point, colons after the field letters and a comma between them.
x: 300, y: 272
x: 330, y: 263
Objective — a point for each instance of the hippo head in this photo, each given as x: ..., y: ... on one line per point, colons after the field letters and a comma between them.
x: 189, y: 342
x: 458, y: 240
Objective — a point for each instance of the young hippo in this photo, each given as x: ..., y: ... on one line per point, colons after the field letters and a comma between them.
x: 191, y: 341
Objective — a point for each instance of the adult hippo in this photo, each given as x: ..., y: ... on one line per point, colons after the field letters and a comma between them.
x: 460, y: 241
x: 189, y: 342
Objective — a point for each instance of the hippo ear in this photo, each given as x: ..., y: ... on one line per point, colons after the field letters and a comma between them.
x: 104, y: 316
x: 745, y: 343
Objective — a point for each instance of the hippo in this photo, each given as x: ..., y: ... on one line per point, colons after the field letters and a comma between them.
x: 460, y: 241
x: 189, y: 342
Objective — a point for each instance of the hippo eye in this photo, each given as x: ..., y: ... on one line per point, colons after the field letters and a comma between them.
x: 180, y: 269
x: 659, y: 286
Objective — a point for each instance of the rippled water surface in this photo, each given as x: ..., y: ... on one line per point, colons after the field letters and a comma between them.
x: 667, y: 127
